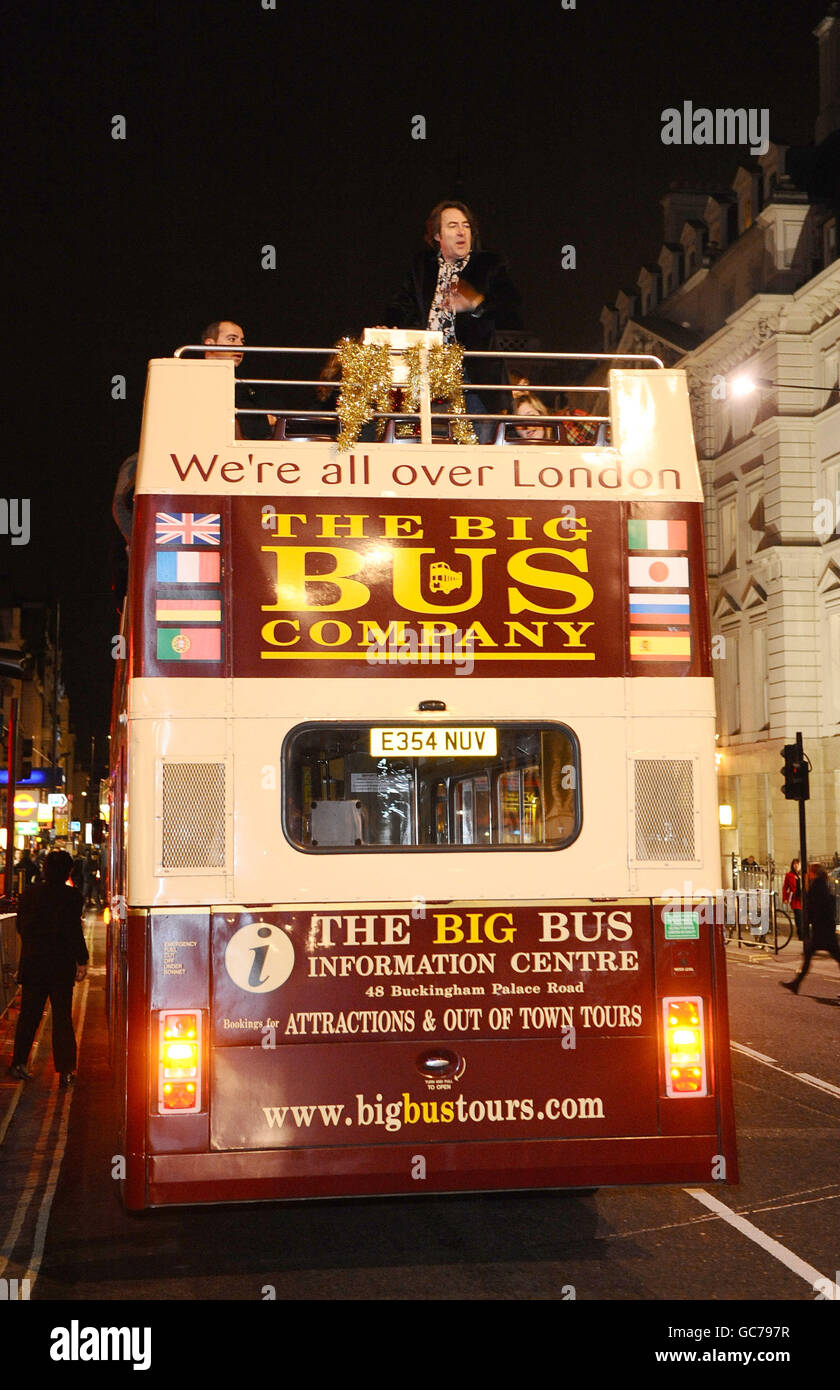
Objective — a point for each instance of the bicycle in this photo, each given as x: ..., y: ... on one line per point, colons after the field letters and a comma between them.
x: 784, y: 927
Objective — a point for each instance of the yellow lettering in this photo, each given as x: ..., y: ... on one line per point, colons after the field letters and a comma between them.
x: 534, y: 633
x: 333, y: 526
x: 519, y: 528
x: 293, y: 578
x: 373, y: 635
x: 473, y: 528
x: 573, y: 632
x: 505, y: 933
x: 520, y: 569
x: 318, y: 632
x: 397, y: 526
x: 269, y: 632
x: 407, y: 578
x: 448, y: 927
x: 283, y: 525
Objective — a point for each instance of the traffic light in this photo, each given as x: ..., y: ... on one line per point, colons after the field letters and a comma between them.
x: 25, y: 759
x: 795, y: 772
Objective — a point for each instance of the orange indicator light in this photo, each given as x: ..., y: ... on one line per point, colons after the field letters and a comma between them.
x: 685, y: 1047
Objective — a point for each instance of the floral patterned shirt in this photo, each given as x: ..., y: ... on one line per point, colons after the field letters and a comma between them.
x: 441, y: 314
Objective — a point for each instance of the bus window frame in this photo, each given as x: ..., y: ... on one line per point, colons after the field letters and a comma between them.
x: 288, y: 810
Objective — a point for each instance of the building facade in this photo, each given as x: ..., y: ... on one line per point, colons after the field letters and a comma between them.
x: 746, y: 285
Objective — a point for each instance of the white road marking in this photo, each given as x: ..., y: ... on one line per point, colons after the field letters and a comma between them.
x: 815, y: 1081
x: 39, y: 1155
x: 772, y: 1247
x: 52, y: 1179
x: 771, y: 1062
x: 750, y: 1052
x: 30, y: 1186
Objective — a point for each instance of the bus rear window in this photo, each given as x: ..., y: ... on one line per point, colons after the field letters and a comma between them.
x: 376, y: 786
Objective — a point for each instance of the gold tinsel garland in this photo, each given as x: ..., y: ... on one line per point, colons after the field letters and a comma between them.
x: 446, y: 382
x: 365, y: 384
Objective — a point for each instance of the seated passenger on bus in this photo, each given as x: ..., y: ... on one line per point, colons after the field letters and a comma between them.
x: 531, y: 407
x: 575, y: 431
x: 465, y: 293
x: 226, y: 332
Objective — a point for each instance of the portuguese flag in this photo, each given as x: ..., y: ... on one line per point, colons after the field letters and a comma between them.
x: 189, y: 644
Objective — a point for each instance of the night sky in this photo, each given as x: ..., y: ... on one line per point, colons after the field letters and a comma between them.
x: 292, y: 126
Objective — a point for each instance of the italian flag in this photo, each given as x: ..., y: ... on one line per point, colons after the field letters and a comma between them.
x: 657, y: 535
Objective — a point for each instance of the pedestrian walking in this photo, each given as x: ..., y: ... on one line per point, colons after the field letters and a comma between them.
x: 822, y: 934
x: 91, y: 884
x: 792, y: 894
x: 53, y: 958
x: 27, y: 868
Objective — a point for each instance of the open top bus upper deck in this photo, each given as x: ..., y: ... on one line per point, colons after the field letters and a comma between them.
x: 189, y: 442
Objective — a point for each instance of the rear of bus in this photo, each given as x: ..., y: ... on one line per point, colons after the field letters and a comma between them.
x: 414, y: 760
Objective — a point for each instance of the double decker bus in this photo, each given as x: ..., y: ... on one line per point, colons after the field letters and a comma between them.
x: 414, y: 813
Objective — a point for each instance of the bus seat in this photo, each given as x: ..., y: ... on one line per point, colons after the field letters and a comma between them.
x: 303, y: 428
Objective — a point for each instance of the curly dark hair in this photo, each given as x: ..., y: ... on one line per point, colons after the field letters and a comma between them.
x: 433, y: 221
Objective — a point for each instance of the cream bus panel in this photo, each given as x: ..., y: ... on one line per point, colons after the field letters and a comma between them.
x: 188, y: 447
x: 236, y: 760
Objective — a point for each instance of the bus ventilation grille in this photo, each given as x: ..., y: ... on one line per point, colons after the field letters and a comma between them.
x: 193, y: 815
x: 664, y: 809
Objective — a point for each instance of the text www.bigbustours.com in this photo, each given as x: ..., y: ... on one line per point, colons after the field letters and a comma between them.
x: 394, y: 1115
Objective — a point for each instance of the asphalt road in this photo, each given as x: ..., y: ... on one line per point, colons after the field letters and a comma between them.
x: 770, y: 1240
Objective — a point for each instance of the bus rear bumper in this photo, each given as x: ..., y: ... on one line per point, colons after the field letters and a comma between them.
x: 272, y: 1175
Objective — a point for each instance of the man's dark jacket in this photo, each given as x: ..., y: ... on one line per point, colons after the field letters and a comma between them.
x: 474, y: 329
x: 49, y: 920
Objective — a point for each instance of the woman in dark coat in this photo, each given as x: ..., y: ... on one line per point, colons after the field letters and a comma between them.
x: 53, y: 958
x: 822, y: 923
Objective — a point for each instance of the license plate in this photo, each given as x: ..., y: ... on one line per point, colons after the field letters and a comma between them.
x: 437, y: 742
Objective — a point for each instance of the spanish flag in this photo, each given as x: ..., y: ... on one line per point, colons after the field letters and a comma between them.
x: 671, y: 646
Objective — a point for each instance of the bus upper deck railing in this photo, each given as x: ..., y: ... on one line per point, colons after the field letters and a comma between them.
x: 501, y: 419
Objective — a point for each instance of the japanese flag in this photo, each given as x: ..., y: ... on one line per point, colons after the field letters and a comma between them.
x: 661, y: 572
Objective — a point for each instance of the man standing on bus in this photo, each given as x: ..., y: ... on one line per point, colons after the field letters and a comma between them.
x: 465, y: 293
x: 228, y: 334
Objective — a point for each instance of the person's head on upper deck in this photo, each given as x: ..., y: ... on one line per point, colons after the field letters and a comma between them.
x: 224, y: 333
x: 451, y: 229
x: 528, y: 404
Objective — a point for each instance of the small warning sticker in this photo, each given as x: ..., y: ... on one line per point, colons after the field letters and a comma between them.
x: 681, y: 926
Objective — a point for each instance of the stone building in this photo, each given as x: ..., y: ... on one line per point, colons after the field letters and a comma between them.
x: 747, y: 282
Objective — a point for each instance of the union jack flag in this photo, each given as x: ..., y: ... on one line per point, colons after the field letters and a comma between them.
x: 186, y: 528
